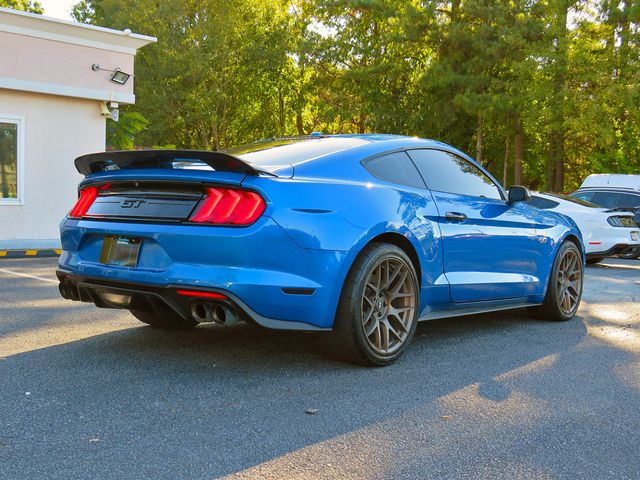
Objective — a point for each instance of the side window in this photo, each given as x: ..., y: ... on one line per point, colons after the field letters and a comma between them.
x: 542, y: 203
x: 446, y: 172
x: 605, y: 199
x: 11, y: 160
x: 626, y: 200
x: 395, y: 168
x: 586, y: 196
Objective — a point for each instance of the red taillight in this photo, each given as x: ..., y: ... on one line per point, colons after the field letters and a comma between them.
x: 227, y: 206
x: 194, y: 293
x: 87, y: 196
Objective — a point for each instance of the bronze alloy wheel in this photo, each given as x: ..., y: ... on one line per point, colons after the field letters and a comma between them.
x: 388, y: 306
x: 569, y: 281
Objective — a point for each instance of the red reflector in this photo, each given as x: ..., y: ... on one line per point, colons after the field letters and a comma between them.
x: 194, y: 293
x: 229, y: 206
x: 595, y: 243
x: 87, y: 196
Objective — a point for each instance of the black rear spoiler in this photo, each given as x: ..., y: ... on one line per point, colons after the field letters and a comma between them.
x: 127, y: 159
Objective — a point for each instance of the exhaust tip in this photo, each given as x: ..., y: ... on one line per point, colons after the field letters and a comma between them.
x: 68, y: 291
x: 201, y: 312
x: 208, y: 312
x: 218, y: 314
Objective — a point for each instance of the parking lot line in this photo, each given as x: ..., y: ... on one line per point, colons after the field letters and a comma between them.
x: 26, y: 275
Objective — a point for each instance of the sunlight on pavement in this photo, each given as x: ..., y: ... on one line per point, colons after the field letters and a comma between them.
x: 620, y: 312
x: 621, y: 337
x: 617, y: 324
x: 53, y: 335
x: 611, y: 263
x: 368, y: 452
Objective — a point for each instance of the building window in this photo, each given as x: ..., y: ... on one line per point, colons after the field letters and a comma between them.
x: 11, y: 159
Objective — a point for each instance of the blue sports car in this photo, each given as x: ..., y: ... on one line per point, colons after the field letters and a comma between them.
x: 362, y: 236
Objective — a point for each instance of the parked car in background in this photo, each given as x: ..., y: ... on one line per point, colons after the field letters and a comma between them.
x: 611, y: 191
x: 616, y: 192
x: 359, y: 236
x: 606, y: 232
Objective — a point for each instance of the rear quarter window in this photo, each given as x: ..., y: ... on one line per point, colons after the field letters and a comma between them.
x: 395, y: 168
x: 542, y: 203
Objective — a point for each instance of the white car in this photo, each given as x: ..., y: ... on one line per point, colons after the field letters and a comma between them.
x: 605, y: 232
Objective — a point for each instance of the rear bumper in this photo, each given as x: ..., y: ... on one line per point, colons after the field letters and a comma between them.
x: 158, y: 300
x: 263, y: 272
x: 617, y: 249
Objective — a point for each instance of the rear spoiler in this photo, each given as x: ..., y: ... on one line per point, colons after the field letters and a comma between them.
x: 127, y: 159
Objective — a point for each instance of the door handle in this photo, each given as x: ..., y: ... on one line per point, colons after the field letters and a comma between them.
x: 455, y: 216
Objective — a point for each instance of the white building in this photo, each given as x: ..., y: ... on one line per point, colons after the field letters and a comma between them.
x: 56, y: 89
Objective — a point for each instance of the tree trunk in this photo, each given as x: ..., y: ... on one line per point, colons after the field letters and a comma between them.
x: 216, y: 135
x: 299, y: 125
x: 479, y: 139
x: 280, y: 113
x: 505, y: 165
x: 518, y: 146
x: 555, y: 166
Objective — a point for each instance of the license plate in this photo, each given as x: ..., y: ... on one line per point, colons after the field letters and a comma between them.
x: 121, y: 251
x: 634, y: 236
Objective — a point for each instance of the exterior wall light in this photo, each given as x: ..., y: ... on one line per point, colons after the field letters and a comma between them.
x: 118, y: 76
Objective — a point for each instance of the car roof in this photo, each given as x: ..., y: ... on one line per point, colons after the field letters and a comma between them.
x: 627, y: 191
x: 612, y: 180
x: 281, y: 153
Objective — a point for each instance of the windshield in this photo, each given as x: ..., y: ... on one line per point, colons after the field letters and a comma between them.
x: 282, y: 152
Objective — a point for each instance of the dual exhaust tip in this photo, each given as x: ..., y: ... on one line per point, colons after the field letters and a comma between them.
x: 204, y: 312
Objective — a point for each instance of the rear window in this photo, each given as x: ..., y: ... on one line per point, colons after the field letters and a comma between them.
x: 283, y: 152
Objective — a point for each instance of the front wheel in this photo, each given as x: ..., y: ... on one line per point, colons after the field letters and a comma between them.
x: 378, y: 309
x: 564, y: 290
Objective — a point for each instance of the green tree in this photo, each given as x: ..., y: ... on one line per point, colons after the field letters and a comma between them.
x: 25, y: 5
x: 218, y: 74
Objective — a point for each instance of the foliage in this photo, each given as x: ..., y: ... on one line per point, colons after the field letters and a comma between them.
x: 25, y: 5
x: 121, y: 134
x: 543, y: 92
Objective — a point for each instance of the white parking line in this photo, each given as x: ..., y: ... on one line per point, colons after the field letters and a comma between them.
x: 26, y: 275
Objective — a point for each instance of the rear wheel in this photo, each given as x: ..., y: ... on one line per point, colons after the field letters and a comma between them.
x: 378, y: 309
x: 169, y: 320
x: 564, y: 290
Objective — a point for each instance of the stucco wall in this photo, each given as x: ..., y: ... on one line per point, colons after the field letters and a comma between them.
x: 57, y: 129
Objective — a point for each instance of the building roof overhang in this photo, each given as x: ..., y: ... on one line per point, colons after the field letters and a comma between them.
x: 40, y: 26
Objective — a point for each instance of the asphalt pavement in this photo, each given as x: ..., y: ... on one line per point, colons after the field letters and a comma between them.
x: 88, y: 393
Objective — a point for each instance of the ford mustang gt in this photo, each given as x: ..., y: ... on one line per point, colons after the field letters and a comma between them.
x: 362, y: 236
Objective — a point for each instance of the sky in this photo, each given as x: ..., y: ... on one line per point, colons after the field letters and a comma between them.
x: 58, y: 8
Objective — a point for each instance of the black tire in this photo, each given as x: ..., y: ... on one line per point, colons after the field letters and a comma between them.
x: 554, y: 308
x: 168, y: 320
x: 393, y: 307
x: 593, y: 261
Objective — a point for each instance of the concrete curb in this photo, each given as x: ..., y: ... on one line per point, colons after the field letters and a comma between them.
x: 45, y: 252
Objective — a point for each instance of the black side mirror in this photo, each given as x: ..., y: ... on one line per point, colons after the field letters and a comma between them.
x: 518, y: 193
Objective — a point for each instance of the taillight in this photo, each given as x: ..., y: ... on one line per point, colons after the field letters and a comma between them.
x: 87, y: 197
x: 622, y: 221
x: 229, y: 206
